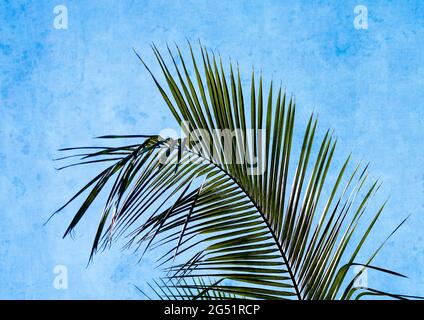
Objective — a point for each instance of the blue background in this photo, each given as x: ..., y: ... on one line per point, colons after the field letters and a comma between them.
x: 60, y: 88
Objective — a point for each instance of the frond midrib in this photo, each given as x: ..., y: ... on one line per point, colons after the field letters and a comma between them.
x: 265, y: 219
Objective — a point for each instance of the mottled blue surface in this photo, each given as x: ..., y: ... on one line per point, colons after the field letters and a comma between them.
x: 61, y: 87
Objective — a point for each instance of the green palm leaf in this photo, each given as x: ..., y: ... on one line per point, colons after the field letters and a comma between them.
x: 278, y: 229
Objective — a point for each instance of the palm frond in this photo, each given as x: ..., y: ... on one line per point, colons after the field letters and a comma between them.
x: 263, y: 221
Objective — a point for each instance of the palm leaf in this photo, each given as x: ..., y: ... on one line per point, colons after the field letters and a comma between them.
x: 278, y: 229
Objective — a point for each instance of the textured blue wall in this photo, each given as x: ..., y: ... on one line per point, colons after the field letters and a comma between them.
x: 61, y: 87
